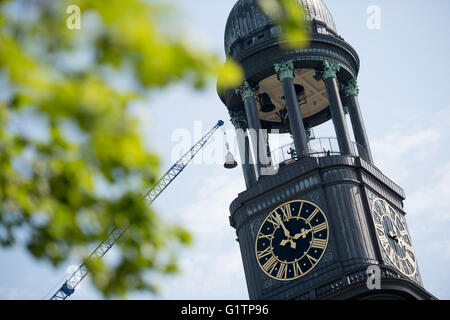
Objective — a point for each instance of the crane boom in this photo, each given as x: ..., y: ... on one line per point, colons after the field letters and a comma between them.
x: 68, y: 288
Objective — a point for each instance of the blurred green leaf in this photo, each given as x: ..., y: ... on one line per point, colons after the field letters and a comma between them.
x: 54, y: 194
x: 290, y: 16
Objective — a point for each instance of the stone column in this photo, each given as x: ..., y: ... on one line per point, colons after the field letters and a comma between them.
x: 239, y: 120
x: 351, y: 92
x: 285, y: 73
x: 329, y: 76
x: 248, y: 95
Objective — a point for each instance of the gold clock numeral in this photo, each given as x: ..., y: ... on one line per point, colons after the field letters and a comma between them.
x: 379, y: 227
x: 273, y: 220
x: 387, y: 210
x: 408, y: 247
x: 270, y: 264
x: 410, y: 258
x: 312, y: 215
x: 300, y: 209
x: 384, y: 242
x: 394, y: 258
x: 265, y: 236
x: 411, y: 266
x: 408, y: 268
x: 286, y: 211
x: 264, y: 253
x: 404, y: 267
x: 318, y: 243
x: 320, y: 227
x: 377, y: 209
x: 282, y: 271
x: 382, y: 208
x: 312, y: 260
x: 297, y: 270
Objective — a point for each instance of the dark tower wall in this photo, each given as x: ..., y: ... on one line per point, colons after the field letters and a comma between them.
x: 343, y: 187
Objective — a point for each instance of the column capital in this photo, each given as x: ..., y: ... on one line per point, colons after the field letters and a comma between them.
x: 351, y: 88
x: 346, y: 109
x: 285, y: 70
x: 238, y: 118
x: 247, y: 91
x: 309, y: 135
x: 329, y: 70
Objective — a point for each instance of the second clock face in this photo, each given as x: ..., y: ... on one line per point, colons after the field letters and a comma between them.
x: 292, y: 240
x: 394, y: 237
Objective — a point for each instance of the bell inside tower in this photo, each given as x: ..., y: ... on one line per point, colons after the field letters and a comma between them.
x: 311, y: 94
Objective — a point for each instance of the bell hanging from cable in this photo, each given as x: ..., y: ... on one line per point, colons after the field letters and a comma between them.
x: 230, y: 163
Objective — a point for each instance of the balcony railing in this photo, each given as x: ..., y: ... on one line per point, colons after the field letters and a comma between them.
x: 318, y: 147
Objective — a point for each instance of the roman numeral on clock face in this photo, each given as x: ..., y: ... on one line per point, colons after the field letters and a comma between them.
x: 273, y: 220
x: 320, y: 227
x: 379, y: 227
x: 265, y: 236
x: 410, y: 258
x: 267, y: 251
x: 297, y: 270
x: 312, y: 215
x: 318, y: 243
x: 384, y: 242
x: 270, y: 264
x: 404, y: 267
x: 311, y: 259
x: 286, y: 211
x: 282, y: 271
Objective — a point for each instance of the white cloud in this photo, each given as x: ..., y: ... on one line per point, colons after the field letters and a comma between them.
x: 431, y: 201
x: 441, y: 248
x: 412, y: 144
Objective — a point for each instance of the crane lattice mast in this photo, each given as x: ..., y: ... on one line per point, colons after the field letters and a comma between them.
x: 68, y: 288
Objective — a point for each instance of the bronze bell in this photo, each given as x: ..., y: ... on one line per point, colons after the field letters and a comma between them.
x: 266, y: 103
x: 301, y: 96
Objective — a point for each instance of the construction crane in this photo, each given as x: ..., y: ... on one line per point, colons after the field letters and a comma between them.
x: 68, y: 288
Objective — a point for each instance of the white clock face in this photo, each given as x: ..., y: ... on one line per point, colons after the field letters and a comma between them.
x: 394, y: 237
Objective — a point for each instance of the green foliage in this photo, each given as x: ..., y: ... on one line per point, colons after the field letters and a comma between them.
x: 49, y: 186
x: 290, y: 16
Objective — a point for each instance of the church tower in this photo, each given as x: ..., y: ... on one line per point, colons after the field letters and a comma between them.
x: 317, y: 214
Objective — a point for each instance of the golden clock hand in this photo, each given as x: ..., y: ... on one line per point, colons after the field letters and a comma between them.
x: 293, y: 244
x: 280, y: 220
x: 394, y: 236
x: 290, y: 241
x: 302, y: 234
x: 403, y: 243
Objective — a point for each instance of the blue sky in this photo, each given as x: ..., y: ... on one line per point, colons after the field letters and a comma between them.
x: 404, y: 91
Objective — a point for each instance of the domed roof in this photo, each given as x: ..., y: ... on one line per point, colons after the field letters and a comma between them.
x: 246, y: 17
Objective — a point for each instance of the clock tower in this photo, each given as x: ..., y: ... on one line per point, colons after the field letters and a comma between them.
x: 317, y: 216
